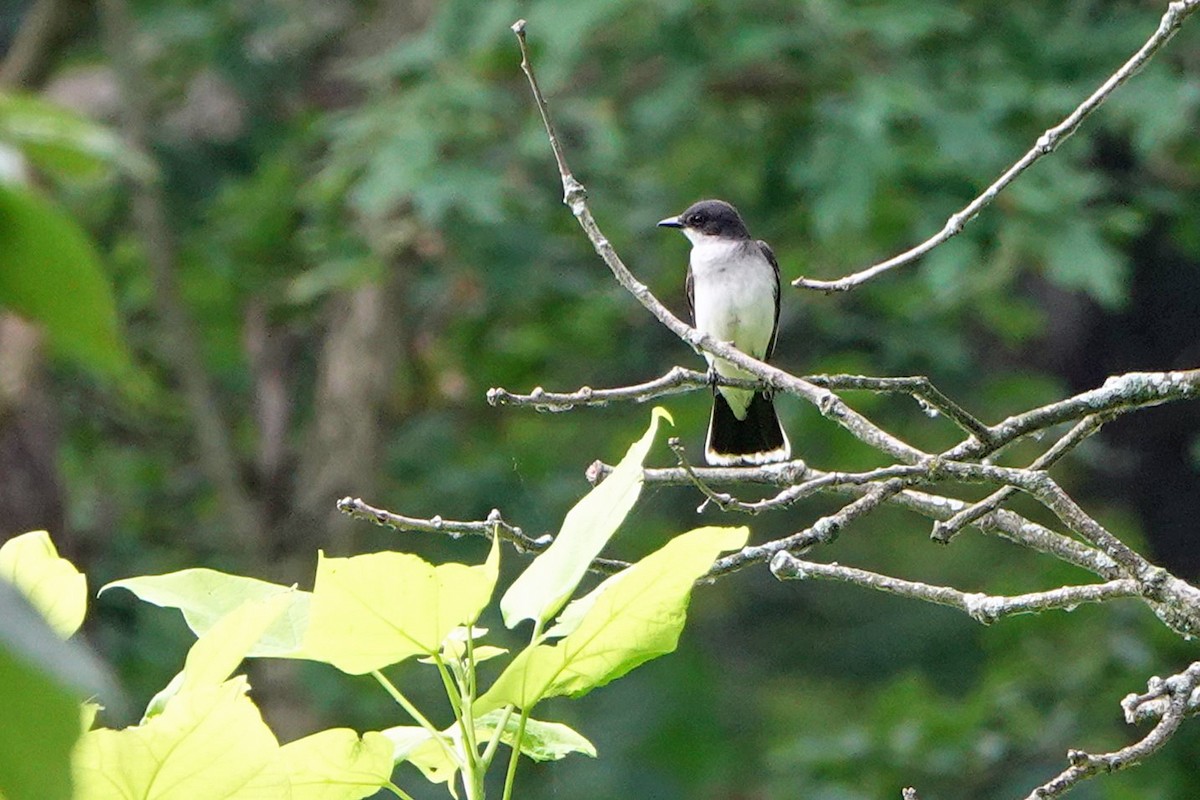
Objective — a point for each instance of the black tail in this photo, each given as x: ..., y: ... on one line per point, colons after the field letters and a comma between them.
x: 757, y: 439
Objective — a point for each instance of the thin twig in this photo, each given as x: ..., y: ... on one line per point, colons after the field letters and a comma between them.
x: 1174, y: 17
x: 1085, y: 765
x: 824, y: 531
x: 1001, y: 522
x: 677, y: 380
x: 1120, y: 394
x: 932, y: 399
x: 983, y: 608
x: 943, y: 532
x: 1017, y: 529
x: 794, y: 492
x: 723, y: 501
x: 524, y: 543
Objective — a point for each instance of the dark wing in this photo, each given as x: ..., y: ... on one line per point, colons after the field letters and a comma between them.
x: 766, y: 251
x: 691, y: 293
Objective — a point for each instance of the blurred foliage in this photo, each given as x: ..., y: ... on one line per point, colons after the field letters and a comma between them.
x: 50, y: 273
x: 309, y: 150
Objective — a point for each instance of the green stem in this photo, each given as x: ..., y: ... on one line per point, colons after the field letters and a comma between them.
x: 396, y: 790
x: 473, y: 769
x: 415, y: 713
x: 511, y: 775
x: 490, y: 751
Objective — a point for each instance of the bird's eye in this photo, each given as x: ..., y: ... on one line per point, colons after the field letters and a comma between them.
x: 696, y: 220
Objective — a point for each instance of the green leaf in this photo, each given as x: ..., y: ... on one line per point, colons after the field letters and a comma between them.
x: 542, y: 741
x: 50, y: 273
x: 454, y: 647
x: 216, y: 654
x: 540, y: 591
x: 336, y: 764
x: 631, y: 618
x: 42, y: 679
x: 51, y: 583
x: 374, y: 610
x: 60, y: 141
x: 206, y: 596
x: 415, y: 745
x: 208, y: 742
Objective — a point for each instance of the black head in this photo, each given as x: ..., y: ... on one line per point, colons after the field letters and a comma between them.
x: 710, y: 218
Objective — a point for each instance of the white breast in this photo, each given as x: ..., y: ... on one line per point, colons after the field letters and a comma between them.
x: 733, y: 296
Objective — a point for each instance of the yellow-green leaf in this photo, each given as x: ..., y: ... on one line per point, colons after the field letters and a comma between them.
x: 633, y: 618
x: 216, y: 654
x: 206, y: 596
x: 540, y: 591
x: 414, y: 745
x: 208, y: 742
x: 374, y: 610
x: 336, y: 764
x: 541, y: 741
x: 51, y: 583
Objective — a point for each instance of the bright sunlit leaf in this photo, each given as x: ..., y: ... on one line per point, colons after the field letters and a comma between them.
x: 207, y: 742
x: 630, y: 620
x: 337, y: 765
x: 540, y: 591
x: 51, y: 583
x: 206, y: 596
x: 216, y: 654
x: 541, y: 741
x: 414, y: 745
x: 374, y: 610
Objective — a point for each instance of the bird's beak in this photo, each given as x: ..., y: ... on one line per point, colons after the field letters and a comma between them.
x: 670, y: 222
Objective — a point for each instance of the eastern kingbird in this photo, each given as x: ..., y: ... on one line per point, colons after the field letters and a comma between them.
x: 733, y: 294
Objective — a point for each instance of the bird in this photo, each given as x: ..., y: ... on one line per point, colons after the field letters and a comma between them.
x: 733, y: 296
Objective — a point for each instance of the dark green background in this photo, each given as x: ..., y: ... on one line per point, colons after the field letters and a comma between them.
x: 363, y: 195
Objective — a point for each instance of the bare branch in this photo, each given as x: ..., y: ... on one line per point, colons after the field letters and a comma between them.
x: 356, y: 508
x: 983, y: 608
x: 823, y: 531
x: 794, y: 492
x: 1084, y: 765
x: 1017, y: 529
x: 1119, y: 394
x: 1174, y: 17
x: 784, y: 473
x: 725, y: 502
x: 932, y: 400
x: 945, y: 531
x: 1127, y: 573
x: 677, y: 381
x: 1155, y: 701
x: 1006, y: 524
